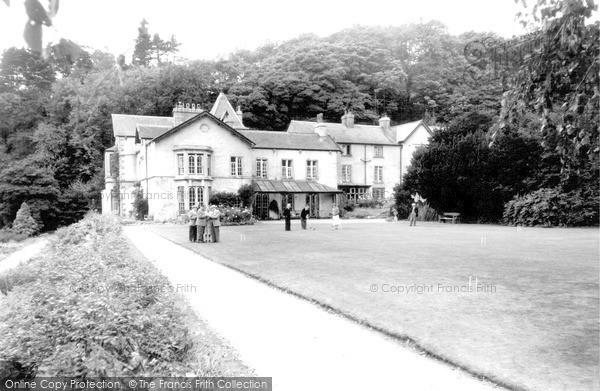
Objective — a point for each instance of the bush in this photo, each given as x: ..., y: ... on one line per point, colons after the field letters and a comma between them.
x: 274, y: 207
x: 140, y: 205
x: 88, y: 309
x: 245, y: 194
x: 224, y: 198
x: 552, y: 207
x: 369, y: 203
x: 24, y: 224
x: 236, y: 216
x: 6, y: 235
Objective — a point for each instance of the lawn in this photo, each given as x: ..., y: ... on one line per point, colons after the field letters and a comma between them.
x: 533, y: 324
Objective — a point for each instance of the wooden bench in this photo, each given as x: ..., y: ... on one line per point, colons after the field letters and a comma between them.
x: 451, y: 216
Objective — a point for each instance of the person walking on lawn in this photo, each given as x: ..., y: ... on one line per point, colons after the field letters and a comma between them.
x: 192, y: 216
x: 215, y: 217
x: 287, y: 215
x: 304, y: 216
x: 414, y: 213
x: 201, y: 224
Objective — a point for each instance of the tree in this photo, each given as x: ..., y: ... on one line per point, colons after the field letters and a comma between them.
x: 143, y: 46
x: 29, y: 180
x: 24, y: 224
x: 559, y: 81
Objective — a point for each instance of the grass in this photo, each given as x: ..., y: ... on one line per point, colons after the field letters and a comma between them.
x: 537, y: 328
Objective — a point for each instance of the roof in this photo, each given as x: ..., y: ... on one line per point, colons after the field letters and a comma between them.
x: 125, y: 125
x: 150, y: 132
x: 201, y: 115
x: 286, y: 140
x: 291, y: 186
x: 358, y: 134
x: 403, y: 132
x: 224, y: 111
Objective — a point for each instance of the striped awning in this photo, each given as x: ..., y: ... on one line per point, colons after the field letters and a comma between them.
x: 291, y: 186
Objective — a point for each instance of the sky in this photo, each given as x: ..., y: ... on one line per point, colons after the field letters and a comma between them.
x: 212, y: 29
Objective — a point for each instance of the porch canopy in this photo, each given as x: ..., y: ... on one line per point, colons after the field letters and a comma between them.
x: 290, y: 186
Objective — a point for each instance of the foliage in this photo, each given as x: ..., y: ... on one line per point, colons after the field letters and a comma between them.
x: 87, y: 309
x: 246, y: 195
x: 28, y: 180
x: 7, y: 235
x: 152, y: 50
x: 236, y: 216
x: 224, y: 198
x: 459, y: 172
x: 140, y: 205
x: 24, y: 224
x: 369, y: 203
x: 559, y: 81
x: 553, y: 207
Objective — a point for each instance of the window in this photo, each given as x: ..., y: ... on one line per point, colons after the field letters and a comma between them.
x: 287, y: 199
x: 180, y: 197
x: 180, y: 166
x: 346, y: 150
x: 378, y: 174
x: 311, y: 169
x: 208, y: 164
x: 195, y: 161
x: 378, y: 151
x: 192, y: 191
x: 196, y: 196
x: 191, y: 164
x: 378, y: 193
x: 261, y: 168
x: 347, y: 173
x: 286, y: 169
x: 355, y: 193
x: 236, y: 166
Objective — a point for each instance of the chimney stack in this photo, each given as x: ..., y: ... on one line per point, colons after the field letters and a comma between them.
x: 320, y: 127
x: 350, y: 120
x: 384, y: 123
x: 240, y: 114
x: 182, y: 113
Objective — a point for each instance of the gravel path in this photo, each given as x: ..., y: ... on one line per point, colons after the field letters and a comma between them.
x: 299, y: 345
x: 22, y: 255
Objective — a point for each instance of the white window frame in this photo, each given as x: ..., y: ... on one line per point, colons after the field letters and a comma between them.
x: 347, y: 173
x: 378, y: 174
x: 261, y: 168
x: 236, y: 166
x: 346, y: 149
x: 287, y: 169
x: 312, y: 169
x: 180, y: 164
x: 378, y: 151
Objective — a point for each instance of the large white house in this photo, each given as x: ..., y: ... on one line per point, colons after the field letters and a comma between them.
x: 179, y: 161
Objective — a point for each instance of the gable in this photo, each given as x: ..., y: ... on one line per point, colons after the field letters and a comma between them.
x: 224, y: 111
x: 198, y: 118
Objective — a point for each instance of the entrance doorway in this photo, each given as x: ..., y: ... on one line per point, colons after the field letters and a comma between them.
x: 313, y: 204
x: 261, y: 206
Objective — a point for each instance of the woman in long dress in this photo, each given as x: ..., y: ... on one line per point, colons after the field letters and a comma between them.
x: 335, y: 217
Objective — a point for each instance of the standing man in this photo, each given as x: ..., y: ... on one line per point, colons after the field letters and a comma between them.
x: 414, y: 213
x: 215, y: 218
x: 201, y: 224
x: 192, y: 216
x: 287, y: 215
x: 304, y: 215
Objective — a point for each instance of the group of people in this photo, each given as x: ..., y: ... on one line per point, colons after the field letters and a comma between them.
x: 305, y: 215
x: 204, y: 222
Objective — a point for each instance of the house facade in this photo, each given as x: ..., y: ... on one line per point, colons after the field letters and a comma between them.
x: 179, y: 161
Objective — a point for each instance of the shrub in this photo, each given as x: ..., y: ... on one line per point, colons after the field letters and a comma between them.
x: 369, y: 203
x: 140, y: 205
x: 6, y: 235
x: 236, y: 216
x: 553, y: 207
x: 274, y: 207
x: 245, y: 194
x: 87, y: 309
x: 24, y: 224
x: 224, y: 198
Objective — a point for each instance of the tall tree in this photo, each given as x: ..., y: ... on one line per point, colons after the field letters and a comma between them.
x: 142, y: 53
